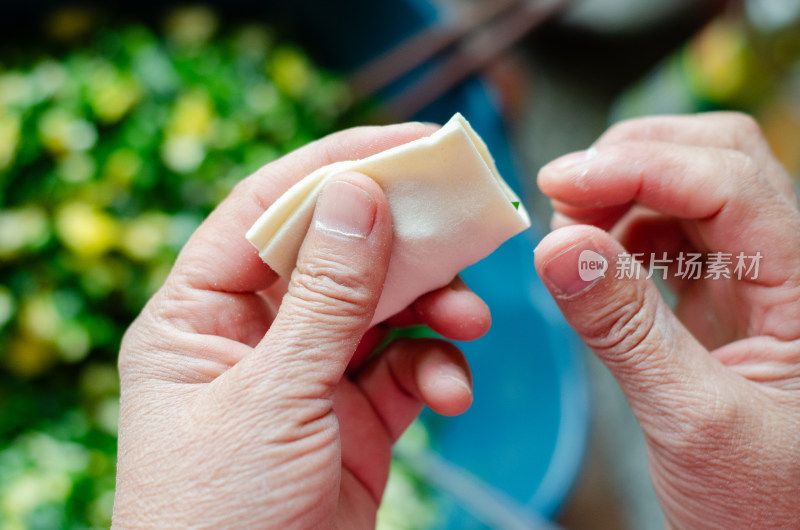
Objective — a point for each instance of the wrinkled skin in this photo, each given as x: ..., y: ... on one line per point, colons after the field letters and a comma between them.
x: 716, y: 384
x: 247, y: 402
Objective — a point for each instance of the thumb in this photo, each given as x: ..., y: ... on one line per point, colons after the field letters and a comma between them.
x: 334, y: 288
x: 660, y: 366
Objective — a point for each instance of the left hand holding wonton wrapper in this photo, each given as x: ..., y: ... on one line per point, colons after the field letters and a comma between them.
x: 450, y: 208
x: 224, y: 376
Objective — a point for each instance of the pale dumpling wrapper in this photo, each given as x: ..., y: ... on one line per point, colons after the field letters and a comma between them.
x: 450, y: 208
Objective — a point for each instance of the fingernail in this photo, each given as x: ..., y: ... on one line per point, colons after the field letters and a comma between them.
x: 455, y: 374
x: 345, y: 209
x: 576, y: 269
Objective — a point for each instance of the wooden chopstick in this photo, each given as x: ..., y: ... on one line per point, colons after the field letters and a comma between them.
x: 474, y: 49
x: 423, y: 45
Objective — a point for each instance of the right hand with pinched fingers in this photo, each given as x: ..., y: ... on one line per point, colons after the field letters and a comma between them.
x: 715, y: 384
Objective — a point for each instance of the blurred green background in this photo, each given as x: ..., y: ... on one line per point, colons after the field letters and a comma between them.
x: 117, y: 138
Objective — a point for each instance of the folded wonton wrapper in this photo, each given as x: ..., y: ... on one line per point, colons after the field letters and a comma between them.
x: 450, y: 208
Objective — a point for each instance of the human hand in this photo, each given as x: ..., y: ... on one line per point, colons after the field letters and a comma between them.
x: 716, y: 384
x: 239, y: 410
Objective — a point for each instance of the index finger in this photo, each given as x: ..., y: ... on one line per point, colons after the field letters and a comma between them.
x: 736, y: 208
x: 723, y: 129
x: 219, y: 258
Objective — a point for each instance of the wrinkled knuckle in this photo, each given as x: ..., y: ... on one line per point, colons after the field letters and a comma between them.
x: 744, y: 126
x: 243, y: 187
x: 710, y: 426
x: 622, y: 333
x: 741, y: 165
x: 171, y: 306
x: 748, y: 167
x: 254, y: 188
x: 141, y: 343
x: 247, y: 188
x: 714, y: 418
x: 324, y: 284
x: 332, y: 147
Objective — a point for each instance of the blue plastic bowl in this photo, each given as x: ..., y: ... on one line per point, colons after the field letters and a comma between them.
x: 527, y: 429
